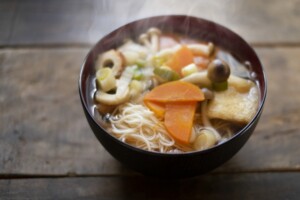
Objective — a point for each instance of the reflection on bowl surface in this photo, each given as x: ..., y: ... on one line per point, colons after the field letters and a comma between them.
x: 185, y: 134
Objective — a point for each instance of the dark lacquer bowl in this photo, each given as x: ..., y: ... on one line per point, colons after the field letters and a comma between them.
x: 163, y: 164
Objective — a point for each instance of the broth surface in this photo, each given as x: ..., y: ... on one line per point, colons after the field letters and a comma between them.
x: 141, y: 123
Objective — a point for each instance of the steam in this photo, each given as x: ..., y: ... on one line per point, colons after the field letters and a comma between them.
x: 108, y: 15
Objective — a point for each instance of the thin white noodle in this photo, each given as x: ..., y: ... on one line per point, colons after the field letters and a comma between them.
x: 136, y: 125
x: 138, y: 138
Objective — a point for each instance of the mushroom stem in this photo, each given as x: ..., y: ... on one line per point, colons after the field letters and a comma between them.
x: 151, y: 39
x: 154, y: 34
x: 145, y: 40
x: 198, y: 78
x: 206, y: 122
x: 202, y: 49
x: 131, y: 46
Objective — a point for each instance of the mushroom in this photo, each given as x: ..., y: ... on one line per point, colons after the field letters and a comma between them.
x: 206, y: 121
x: 201, y: 79
x: 112, y: 59
x: 144, y: 39
x: 154, y: 34
x: 151, y: 39
x: 166, y: 53
x: 208, y: 94
x: 207, y: 136
x: 198, y: 78
x: 218, y: 72
x: 206, y: 139
x: 131, y: 46
x: 202, y: 49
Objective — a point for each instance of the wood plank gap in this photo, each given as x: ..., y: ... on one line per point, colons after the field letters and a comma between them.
x: 46, y: 46
x: 254, y: 171
x: 74, y: 175
x: 37, y: 176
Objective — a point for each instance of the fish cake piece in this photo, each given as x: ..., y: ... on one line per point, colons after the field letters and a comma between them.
x: 234, y: 106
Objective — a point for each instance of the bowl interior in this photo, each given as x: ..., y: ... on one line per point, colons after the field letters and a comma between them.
x: 185, y: 25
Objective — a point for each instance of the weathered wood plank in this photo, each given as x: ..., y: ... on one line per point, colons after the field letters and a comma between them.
x: 274, y: 144
x: 227, y: 186
x: 84, y: 22
x: 43, y: 130
x: 7, y: 15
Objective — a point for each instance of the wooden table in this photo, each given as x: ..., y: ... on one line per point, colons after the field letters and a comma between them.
x: 47, y: 150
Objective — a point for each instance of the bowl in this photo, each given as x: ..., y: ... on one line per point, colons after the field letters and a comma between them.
x: 175, y: 165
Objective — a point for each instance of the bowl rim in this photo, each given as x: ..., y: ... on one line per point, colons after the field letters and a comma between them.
x: 262, y: 98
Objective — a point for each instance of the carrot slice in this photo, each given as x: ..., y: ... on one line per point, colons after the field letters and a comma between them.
x: 179, y: 119
x: 180, y: 59
x: 175, y: 91
x: 176, y: 101
x: 157, y: 107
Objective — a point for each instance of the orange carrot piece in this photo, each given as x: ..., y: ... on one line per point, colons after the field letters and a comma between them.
x: 180, y: 59
x: 176, y: 101
x: 179, y: 119
x: 157, y: 107
x: 175, y: 91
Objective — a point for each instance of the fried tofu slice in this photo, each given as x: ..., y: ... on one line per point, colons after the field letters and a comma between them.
x: 232, y: 105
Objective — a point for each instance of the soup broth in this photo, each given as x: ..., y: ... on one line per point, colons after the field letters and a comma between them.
x: 169, y: 93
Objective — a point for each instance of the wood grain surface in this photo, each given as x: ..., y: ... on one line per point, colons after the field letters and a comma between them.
x: 44, y: 130
x: 267, y: 186
x: 77, y: 22
x: 48, y: 151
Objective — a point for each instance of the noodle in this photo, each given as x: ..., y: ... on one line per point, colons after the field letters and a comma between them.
x: 138, y: 126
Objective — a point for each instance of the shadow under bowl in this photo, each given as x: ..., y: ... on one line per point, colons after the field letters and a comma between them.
x: 163, y: 164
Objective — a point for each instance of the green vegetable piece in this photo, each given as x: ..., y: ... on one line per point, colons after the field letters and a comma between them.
x: 137, y: 72
x: 138, y: 75
x: 106, y: 79
x: 220, y: 86
x: 140, y: 63
x: 165, y: 74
